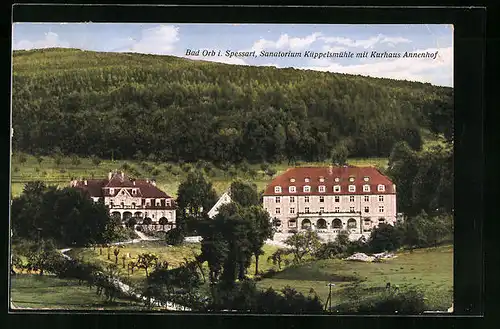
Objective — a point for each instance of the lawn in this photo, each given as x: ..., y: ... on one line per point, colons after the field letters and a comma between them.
x: 168, y: 177
x: 174, y: 255
x: 430, y: 270
x: 49, y: 292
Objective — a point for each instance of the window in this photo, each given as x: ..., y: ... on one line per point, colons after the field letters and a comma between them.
x: 153, y: 216
x: 134, y: 191
x: 381, y: 188
x: 307, y: 180
x: 122, y: 204
x: 292, y: 189
x: 158, y: 202
x: 351, y: 179
x: 321, y: 179
x: 111, y: 203
x: 380, y: 208
x: 168, y: 203
x: 306, y: 209
x: 367, y: 198
x: 337, y: 209
x: 352, y: 188
x: 278, y: 199
x: 292, y: 223
x: 367, y: 209
x: 307, y: 188
x: 306, y: 199
x: 336, y: 188
x: 366, y: 188
x: 381, y: 198
x: 351, y: 198
x: 321, y: 188
x: 321, y: 209
x: 148, y: 202
x: 366, y: 178
x: 111, y: 191
x: 321, y: 199
x: 337, y: 199
x: 337, y: 179
x: 133, y: 205
x: 351, y: 209
x: 292, y: 180
x: 292, y: 199
x: 277, y: 189
x: 292, y: 210
x: 123, y: 192
x: 278, y: 211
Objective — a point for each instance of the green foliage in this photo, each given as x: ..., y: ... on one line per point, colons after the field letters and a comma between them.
x: 424, y: 179
x: 410, y: 302
x: 303, y: 243
x: 104, y: 103
x: 75, y: 160
x: 146, y: 261
x: 244, y: 194
x: 245, y: 297
x: 174, y: 237
x: 278, y: 257
x: 68, y: 216
x: 385, y: 237
x: 195, y: 196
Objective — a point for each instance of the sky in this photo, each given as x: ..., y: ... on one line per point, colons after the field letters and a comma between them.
x: 175, y: 39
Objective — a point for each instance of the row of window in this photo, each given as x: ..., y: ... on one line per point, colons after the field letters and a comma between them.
x: 148, y: 203
x: 322, y: 188
x: 322, y: 209
x: 112, y: 191
x: 337, y: 179
x: 337, y: 198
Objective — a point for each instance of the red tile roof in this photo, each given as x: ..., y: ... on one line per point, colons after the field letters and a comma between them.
x: 329, y: 174
x: 100, y: 187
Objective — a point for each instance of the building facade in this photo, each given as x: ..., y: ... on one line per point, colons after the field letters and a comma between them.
x: 224, y: 199
x: 127, y: 198
x: 331, y: 199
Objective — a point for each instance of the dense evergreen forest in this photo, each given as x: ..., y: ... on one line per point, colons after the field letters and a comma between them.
x: 174, y: 109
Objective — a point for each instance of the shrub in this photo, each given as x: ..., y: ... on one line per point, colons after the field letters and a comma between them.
x: 21, y: 157
x: 174, y: 236
x: 75, y: 160
x: 95, y: 160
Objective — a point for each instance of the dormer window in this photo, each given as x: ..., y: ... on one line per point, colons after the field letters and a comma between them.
x: 321, y: 188
x: 307, y: 180
x: 366, y: 178
x: 351, y: 179
x: 366, y: 188
x: 336, y: 188
x: 352, y: 188
x: 134, y: 191
x: 148, y: 202
x: 277, y: 189
x: 337, y: 179
x: 292, y: 189
x: 111, y: 191
x: 321, y: 179
x: 292, y: 180
x: 381, y: 188
x: 307, y: 188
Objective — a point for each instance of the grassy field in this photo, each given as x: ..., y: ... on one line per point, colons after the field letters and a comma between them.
x: 174, y: 255
x: 430, y: 270
x: 168, y: 178
x: 49, y: 292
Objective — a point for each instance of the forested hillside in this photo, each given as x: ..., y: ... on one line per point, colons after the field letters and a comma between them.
x: 134, y: 105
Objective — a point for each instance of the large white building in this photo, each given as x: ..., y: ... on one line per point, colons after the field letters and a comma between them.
x: 331, y: 199
x: 127, y: 198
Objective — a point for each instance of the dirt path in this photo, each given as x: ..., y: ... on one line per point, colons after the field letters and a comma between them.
x: 126, y: 288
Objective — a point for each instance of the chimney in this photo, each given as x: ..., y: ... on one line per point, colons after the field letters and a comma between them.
x: 85, y: 182
x: 122, y: 175
x: 133, y: 182
x: 110, y: 174
x: 153, y: 182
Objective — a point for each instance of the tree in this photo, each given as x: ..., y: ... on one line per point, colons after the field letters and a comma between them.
x: 95, y: 160
x: 339, y: 154
x: 174, y: 236
x: 261, y: 230
x: 278, y: 256
x: 244, y: 194
x: 39, y: 159
x: 132, y: 222
x: 75, y: 160
x: 147, y: 221
x: 303, y: 243
x: 42, y: 256
x: 270, y: 172
x: 21, y: 157
x: 116, y: 252
x: 146, y: 261
x: 196, y: 195
x: 385, y: 237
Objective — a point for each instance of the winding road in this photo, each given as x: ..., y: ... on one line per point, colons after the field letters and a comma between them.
x: 126, y: 288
